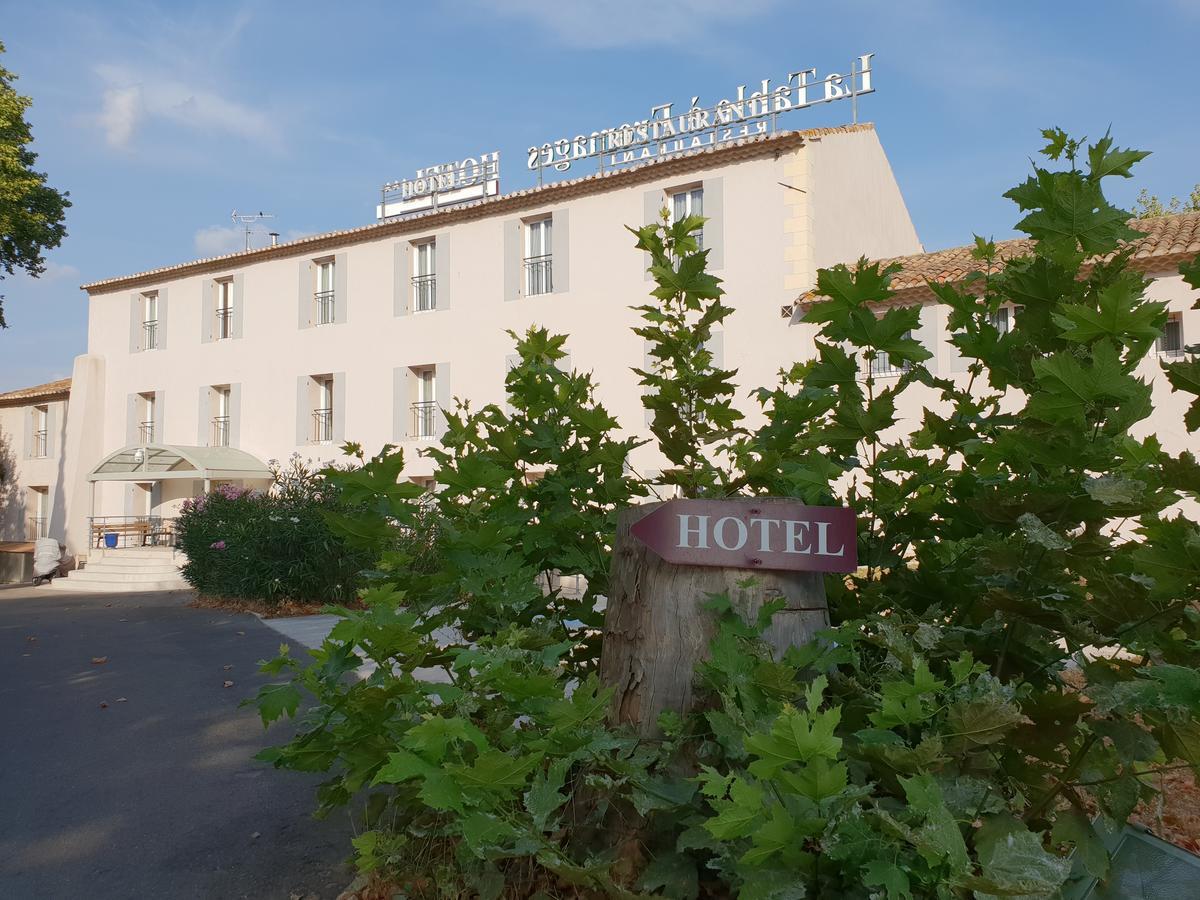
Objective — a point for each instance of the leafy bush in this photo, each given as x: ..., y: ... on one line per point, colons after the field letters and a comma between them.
x: 273, y: 547
x: 1011, y: 657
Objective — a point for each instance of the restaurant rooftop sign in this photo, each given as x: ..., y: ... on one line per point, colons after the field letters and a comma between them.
x: 665, y: 133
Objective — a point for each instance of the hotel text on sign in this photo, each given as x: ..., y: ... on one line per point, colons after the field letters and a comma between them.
x: 752, y: 533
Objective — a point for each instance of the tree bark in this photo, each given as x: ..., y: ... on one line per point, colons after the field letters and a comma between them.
x: 656, y: 629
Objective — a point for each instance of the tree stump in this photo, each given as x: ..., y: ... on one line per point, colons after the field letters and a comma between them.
x: 656, y: 629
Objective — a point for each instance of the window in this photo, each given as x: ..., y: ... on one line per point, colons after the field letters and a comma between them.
x: 323, y: 413
x: 324, y: 295
x: 425, y: 407
x: 37, y: 525
x: 539, y: 268
x: 224, y: 323
x: 220, y: 422
x: 41, y: 431
x: 882, y: 365
x: 146, y: 424
x: 150, y: 321
x: 424, y: 277
x: 1170, y: 342
x: 1001, y: 319
x: 689, y: 203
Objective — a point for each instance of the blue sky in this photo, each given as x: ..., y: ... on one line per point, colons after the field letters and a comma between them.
x: 160, y: 118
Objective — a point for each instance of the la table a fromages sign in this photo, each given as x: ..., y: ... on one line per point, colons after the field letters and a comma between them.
x: 752, y: 533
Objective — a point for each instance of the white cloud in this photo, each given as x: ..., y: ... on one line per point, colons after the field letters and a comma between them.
x: 135, y: 98
x: 629, y: 23
x: 218, y: 240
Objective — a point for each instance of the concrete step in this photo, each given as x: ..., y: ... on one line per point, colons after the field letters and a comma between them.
x: 114, y: 587
x: 98, y: 574
x: 164, y: 568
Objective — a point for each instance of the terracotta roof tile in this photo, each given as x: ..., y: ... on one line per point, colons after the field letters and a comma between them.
x: 52, y: 390
x: 1166, y: 237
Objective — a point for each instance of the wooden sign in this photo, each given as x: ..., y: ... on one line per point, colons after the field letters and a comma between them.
x: 752, y: 533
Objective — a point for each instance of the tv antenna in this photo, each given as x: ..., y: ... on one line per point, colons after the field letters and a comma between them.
x: 248, y: 220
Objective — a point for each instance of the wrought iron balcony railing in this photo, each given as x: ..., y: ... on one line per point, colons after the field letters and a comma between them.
x: 323, y: 425
x: 424, y: 418
x: 424, y: 292
x: 224, y: 322
x: 150, y: 331
x: 40, y: 444
x: 220, y: 426
x: 35, y: 527
x: 146, y: 432
x: 539, y: 274
x: 326, y: 307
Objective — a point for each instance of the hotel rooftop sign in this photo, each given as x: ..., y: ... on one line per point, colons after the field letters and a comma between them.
x: 442, y: 185
x: 665, y: 133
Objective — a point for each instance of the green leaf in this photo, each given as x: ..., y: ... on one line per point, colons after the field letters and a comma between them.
x: 674, y: 873
x: 938, y: 839
x: 1114, y: 490
x: 890, y: 877
x: 274, y: 700
x: 1185, y: 376
x: 795, y: 736
x: 974, y: 724
x: 1072, y: 827
x: 1014, y: 862
x: 1037, y: 532
x: 484, y: 832
x: 496, y: 771
x: 544, y: 798
x: 819, y: 780
x: 431, y: 737
x: 740, y: 815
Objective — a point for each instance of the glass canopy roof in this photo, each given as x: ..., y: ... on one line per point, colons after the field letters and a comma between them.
x: 157, y: 462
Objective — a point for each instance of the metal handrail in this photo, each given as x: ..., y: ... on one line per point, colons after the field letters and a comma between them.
x: 220, y: 431
x: 539, y: 274
x: 133, y: 531
x: 151, y: 328
x: 323, y: 425
x: 146, y: 431
x: 326, y: 307
x: 424, y: 418
x: 35, y: 527
x: 424, y: 292
x: 40, y: 443
x: 224, y: 322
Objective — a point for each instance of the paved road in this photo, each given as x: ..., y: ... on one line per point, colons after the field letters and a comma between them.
x: 156, y: 796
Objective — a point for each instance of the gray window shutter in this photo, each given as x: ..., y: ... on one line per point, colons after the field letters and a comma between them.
x: 652, y: 207
x: 648, y: 366
x: 402, y: 286
x: 303, y: 412
x: 160, y: 417
x: 714, y: 228
x: 208, y: 311
x: 131, y: 421
x: 307, y: 285
x: 235, y: 415
x: 163, y: 307
x: 926, y: 334
x: 204, y: 421
x: 341, y: 301
x: 135, y: 322
x: 239, y: 303
x: 339, y: 406
x: 514, y: 259
x: 560, y: 249
x: 401, y: 400
x: 28, y: 432
x: 441, y: 267
x: 716, y: 346
x: 51, y: 429
x: 441, y: 377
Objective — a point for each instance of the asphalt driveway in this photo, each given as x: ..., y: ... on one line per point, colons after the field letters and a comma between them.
x: 133, y: 777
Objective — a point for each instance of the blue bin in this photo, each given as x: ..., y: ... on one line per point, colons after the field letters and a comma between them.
x: 110, y: 540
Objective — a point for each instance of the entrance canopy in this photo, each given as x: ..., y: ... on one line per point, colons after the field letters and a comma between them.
x: 162, y: 462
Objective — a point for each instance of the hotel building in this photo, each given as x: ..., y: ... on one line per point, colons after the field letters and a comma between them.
x: 201, y: 372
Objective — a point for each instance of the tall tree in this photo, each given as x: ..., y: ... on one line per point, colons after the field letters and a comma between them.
x: 31, y: 212
x: 1149, y: 205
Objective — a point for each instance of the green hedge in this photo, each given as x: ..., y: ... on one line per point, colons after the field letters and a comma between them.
x: 250, y: 545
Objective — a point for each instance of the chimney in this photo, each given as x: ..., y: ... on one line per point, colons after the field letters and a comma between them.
x: 274, y: 238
